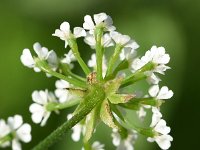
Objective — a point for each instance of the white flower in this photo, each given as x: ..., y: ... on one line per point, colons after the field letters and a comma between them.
x: 128, y: 54
x: 78, y: 129
x: 124, y: 144
x: 123, y: 40
x: 22, y: 131
x: 152, y: 78
x: 43, y: 54
x: 4, y: 131
x: 61, y: 91
x: 99, y: 19
x: 38, y: 109
x: 97, y: 146
x: 92, y: 63
x: 105, y: 42
x: 163, y: 93
x: 27, y: 59
x: 162, y: 137
x: 64, y: 33
x: 69, y: 58
x: 141, y: 113
x: 156, y: 55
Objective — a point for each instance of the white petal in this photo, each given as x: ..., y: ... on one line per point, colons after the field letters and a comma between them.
x: 16, y: 145
x: 116, y: 138
x: 152, y: 78
x: 27, y: 59
x: 52, y: 59
x: 88, y: 24
x: 92, y: 61
x: 45, y: 118
x: 62, y: 84
x: 4, y: 128
x: 155, y: 117
x: 90, y: 40
x: 23, y: 133
x: 15, y: 122
x: 65, y: 27
x: 132, y: 44
x: 164, y: 141
x: 39, y: 97
x: 98, y: 18
x: 37, y: 112
x: 161, y: 127
x: 40, y: 51
x: 76, y: 132
x: 79, y: 32
x: 165, y: 93
x: 153, y: 91
x: 107, y: 41
x: 97, y: 146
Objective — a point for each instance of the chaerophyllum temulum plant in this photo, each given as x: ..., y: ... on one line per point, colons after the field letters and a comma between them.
x: 101, y: 95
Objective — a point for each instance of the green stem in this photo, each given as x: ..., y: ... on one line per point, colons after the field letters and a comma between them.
x: 121, y: 66
x: 58, y: 106
x: 44, y: 67
x: 73, y: 45
x: 99, y: 51
x: 138, y: 75
x: 5, y: 139
x: 113, y: 59
x: 95, y: 96
x: 68, y: 72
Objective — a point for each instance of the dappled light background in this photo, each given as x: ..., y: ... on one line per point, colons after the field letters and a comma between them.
x: 172, y: 24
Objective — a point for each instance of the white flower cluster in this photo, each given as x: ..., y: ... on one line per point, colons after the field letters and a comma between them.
x: 14, y: 131
x: 124, y: 144
x: 157, y: 56
x: 70, y: 87
x: 44, y: 54
x: 162, y: 137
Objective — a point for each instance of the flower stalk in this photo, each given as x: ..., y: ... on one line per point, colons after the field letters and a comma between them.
x: 95, y: 96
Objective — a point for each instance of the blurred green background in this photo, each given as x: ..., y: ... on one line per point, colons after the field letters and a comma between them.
x: 169, y: 23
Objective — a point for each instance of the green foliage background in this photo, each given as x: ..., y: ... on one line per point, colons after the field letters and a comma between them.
x: 169, y: 23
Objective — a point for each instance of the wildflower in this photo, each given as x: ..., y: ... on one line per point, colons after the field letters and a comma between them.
x: 97, y: 146
x: 43, y: 54
x: 105, y: 42
x: 16, y: 130
x: 161, y: 137
x: 99, y: 19
x: 68, y: 59
x: 158, y: 57
x: 123, y: 40
x: 124, y: 144
x: 61, y: 92
x: 78, y: 129
x: 160, y: 94
x: 64, y: 33
x: 38, y: 109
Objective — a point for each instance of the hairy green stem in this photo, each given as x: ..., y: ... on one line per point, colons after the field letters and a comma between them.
x: 113, y: 59
x: 73, y: 45
x: 53, y: 106
x: 68, y: 72
x: 44, y: 67
x: 99, y: 51
x: 94, y: 97
x: 138, y: 75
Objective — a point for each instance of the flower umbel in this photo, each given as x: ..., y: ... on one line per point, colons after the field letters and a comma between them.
x: 101, y: 95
